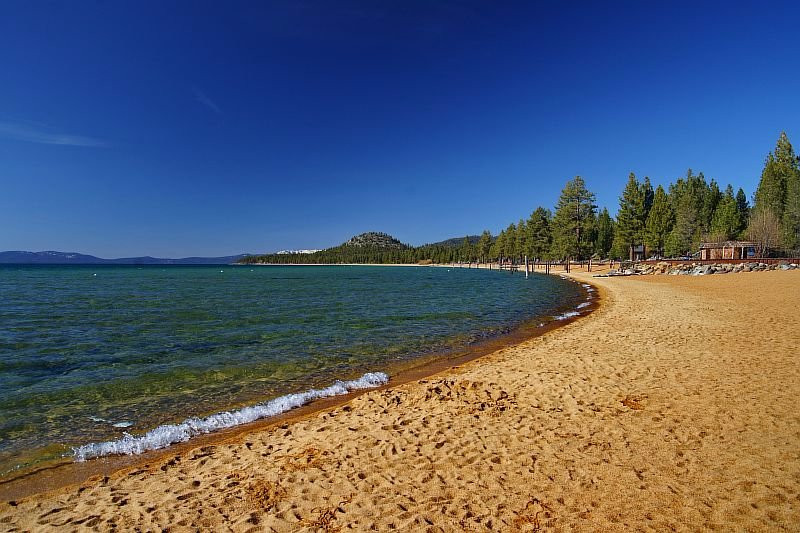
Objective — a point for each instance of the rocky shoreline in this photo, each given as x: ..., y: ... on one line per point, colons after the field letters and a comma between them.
x: 698, y: 269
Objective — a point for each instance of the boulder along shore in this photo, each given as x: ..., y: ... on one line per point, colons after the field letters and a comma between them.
x: 700, y: 269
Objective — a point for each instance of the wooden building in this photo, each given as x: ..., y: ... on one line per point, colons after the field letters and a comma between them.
x: 727, y: 250
x: 636, y: 252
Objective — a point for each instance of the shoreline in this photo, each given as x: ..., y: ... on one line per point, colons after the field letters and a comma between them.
x: 63, y: 472
x: 675, y: 405
x: 333, y: 264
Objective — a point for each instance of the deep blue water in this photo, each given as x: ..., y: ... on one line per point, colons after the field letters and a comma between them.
x: 83, y: 348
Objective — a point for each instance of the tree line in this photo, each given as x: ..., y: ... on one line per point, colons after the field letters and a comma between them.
x: 669, y: 222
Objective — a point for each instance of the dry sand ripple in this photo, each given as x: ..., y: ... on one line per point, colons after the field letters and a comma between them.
x: 674, y: 406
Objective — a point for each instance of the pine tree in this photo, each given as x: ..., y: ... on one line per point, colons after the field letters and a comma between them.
x: 779, y: 166
x: 660, y: 221
x: 725, y: 223
x: 683, y: 237
x: 523, y: 239
x: 466, y: 250
x: 540, y: 234
x: 499, y: 246
x: 711, y: 198
x: 605, y: 234
x: 630, y: 217
x: 648, y: 196
x: 574, y: 210
x: 511, y: 242
x: 790, y: 230
x: 484, y: 245
x: 686, y: 196
x: 743, y: 208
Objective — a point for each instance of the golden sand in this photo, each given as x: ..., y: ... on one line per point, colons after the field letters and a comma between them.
x: 676, y: 405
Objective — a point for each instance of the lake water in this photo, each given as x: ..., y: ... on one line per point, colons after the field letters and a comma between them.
x: 92, y: 354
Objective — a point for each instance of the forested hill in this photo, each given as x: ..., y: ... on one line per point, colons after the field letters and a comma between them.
x: 373, y: 247
x: 457, y: 241
x: 376, y: 240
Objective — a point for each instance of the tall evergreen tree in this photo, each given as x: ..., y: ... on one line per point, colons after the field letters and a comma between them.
x: 466, y: 250
x: 605, y: 234
x: 686, y: 196
x: 630, y: 217
x: 523, y: 239
x: 648, y: 196
x: 540, y: 234
x: 484, y: 246
x: 725, y: 223
x: 498, y: 248
x: 511, y: 242
x: 591, y: 234
x: 743, y: 208
x: 660, y: 221
x: 790, y: 231
x: 779, y: 166
x: 683, y: 237
x: 711, y: 198
x: 573, y: 213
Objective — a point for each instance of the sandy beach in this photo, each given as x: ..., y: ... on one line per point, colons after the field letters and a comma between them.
x: 675, y: 405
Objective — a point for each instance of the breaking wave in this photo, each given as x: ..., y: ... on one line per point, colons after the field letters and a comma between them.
x: 568, y: 314
x: 163, y: 436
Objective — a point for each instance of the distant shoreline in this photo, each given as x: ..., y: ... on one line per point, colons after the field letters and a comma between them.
x: 332, y: 264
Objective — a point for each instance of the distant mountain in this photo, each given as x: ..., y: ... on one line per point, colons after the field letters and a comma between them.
x: 457, y: 241
x: 369, y: 247
x: 49, y: 257
x: 72, y: 258
x: 377, y: 239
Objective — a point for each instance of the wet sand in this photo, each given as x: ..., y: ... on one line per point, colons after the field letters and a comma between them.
x: 675, y: 405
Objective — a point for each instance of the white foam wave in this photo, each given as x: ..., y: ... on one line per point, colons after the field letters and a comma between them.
x: 163, y: 436
x: 568, y: 314
x: 583, y: 304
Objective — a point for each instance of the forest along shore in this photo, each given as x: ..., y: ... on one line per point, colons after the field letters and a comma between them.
x: 662, y: 410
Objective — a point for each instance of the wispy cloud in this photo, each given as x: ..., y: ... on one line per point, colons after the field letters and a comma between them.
x: 201, y: 97
x: 37, y: 134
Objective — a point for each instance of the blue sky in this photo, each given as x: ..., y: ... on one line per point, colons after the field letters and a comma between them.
x: 211, y: 128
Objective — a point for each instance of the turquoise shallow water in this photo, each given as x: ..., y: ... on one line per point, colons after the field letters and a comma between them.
x: 88, y: 353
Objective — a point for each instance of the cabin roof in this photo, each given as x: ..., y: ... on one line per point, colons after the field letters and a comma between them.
x: 727, y: 244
